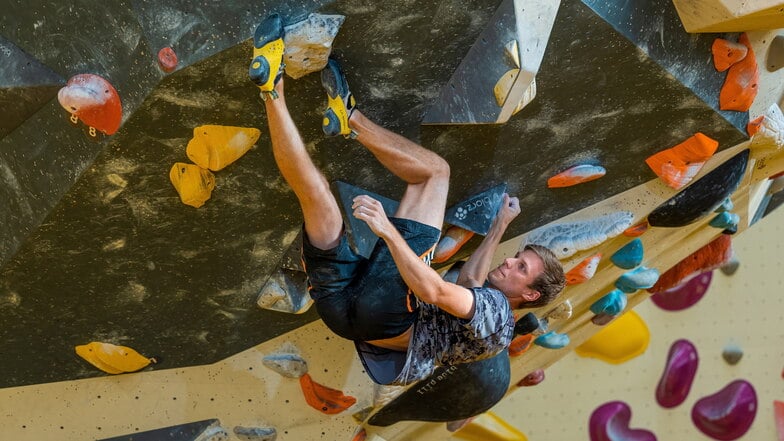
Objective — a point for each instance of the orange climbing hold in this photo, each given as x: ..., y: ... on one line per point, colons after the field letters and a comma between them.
x: 576, y: 175
x: 214, y: 147
x: 778, y: 415
x: 740, y: 86
x: 520, y: 345
x: 324, y: 399
x: 711, y: 256
x: 113, y: 359
x: 677, y: 165
x: 636, y: 230
x: 584, y: 270
x: 93, y: 100
x: 454, y: 238
x: 193, y: 183
x: 726, y: 53
x: 754, y: 125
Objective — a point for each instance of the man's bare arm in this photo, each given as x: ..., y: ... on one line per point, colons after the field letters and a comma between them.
x: 423, y: 281
x: 474, y: 271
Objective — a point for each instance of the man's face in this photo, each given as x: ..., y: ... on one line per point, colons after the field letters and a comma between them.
x: 514, y: 275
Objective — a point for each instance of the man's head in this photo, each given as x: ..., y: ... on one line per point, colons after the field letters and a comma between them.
x: 531, y: 278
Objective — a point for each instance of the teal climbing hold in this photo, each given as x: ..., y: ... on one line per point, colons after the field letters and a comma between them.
x: 727, y: 205
x: 613, y: 303
x: 630, y: 256
x: 552, y: 340
x: 640, y: 278
x: 725, y: 220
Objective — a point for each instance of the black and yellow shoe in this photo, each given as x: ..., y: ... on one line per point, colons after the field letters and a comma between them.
x: 267, y: 65
x: 340, y: 101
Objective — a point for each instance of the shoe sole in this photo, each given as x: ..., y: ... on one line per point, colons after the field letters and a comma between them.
x: 267, y: 42
x: 337, y: 114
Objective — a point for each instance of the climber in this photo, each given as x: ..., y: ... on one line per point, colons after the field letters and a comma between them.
x: 404, y: 319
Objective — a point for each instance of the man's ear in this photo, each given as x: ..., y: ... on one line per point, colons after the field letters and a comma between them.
x: 531, y: 295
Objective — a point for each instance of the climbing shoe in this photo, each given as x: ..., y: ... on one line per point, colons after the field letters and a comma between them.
x: 340, y: 101
x: 267, y: 65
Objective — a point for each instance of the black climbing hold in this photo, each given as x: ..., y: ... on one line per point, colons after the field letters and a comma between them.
x: 361, y: 237
x: 477, y: 212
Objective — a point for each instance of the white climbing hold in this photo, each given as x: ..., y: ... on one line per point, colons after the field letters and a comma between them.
x: 286, y: 364
x: 771, y: 131
x: 566, y: 239
x: 309, y: 43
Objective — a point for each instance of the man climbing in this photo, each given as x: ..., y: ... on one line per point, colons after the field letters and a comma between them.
x: 404, y: 318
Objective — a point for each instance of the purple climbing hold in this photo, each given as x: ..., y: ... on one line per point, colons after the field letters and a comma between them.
x: 727, y: 414
x: 684, y: 295
x: 678, y: 375
x: 610, y: 422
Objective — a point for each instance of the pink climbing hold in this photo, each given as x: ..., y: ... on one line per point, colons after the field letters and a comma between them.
x: 93, y: 100
x: 685, y: 295
x: 532, y: 379
x: 678, y: 376
x: 576, y: 175
x: 167, y: 59
x: 610, y: 422
x: 726, y: 415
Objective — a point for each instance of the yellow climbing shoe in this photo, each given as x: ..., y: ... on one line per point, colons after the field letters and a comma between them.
x: 340, y: 101
x: 267, y: 65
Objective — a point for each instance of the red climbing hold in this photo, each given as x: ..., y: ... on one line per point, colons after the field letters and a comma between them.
x: 711, y: 256
x: 93, y: 100
x: 167, y: 59
x: 677, y: 165
x: 726, y: 53
x: 778, y: 415
x: 532, y: 379
x: 740, y: 86
x: 324, y: 399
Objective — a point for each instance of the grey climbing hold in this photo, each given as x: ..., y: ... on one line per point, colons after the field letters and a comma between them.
x: 256, y: 433
x: 640, y: 278
x: 309, y: 43
x: 286, y: 364
x: 731, y: 266
x: 566, y: 239
x: 286, y: 291
x: 732, y: 353
x: 629, y: 256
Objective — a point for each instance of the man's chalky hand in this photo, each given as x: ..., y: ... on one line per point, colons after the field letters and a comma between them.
x: 371, y: 212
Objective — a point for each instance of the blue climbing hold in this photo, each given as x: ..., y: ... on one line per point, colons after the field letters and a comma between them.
x: 727, y: 205
x: 725, y: 220
x: 640, y: 278
x: 613, y: 303
x: 552, y: 340
x: 629, y: 256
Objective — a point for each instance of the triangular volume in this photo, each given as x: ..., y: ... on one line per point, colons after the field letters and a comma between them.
x: 199, y: 430
x: 25, y: 86
x: 361, y: 237
x: 729, y: 15
x: 477, y: 212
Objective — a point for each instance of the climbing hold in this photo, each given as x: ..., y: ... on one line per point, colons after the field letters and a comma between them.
x: 561, y: 312
x: 477, y: 212
x: 576, y: 175
x: 552, y: 340
x: 730, y: 266
x: 520, y: 345
x: 678, y: 376
x: 167, y: 59
x: 286, y: 364
x: 732, y: 353
x: 727, y: 205
x: 684, y: 295
x: 113, y: 359
x: 602, y: 319
x: 584, y: 270
x: 612, y: 303
x: 678, y: 165
x: 286, y: 291
x: 361, y: 435
x: 488, y: 426
x: 778, y: 416
x: 629, y: 256
x: 754, y: 125
x: 93, y: 100
x: 568, y: 238
x: 636, y: 230
x: 725, y: 219
x: 610, y: 422
x: 454, y: 238
x: 256, y: 433
x: 532, y: 379
x: 707, y: 258
x: 740, y: 86
x: 727, y: 414
x: 703, y: 196
x: 309, y: 43
x: 529, y: 324
x: 640, y: 278
x: 726, y: 53
x: 770, y: 133
x: 504, y: 85
x: 215, y: 147
x: 324, y: 399
x: 620, y: 341
x: 193, y: 183
x: 361, y: 237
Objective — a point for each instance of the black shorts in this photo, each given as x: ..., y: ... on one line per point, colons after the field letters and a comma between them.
x: 366, y: 299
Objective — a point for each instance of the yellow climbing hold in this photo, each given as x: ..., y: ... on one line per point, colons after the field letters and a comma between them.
x: 620, y: 341
x: 489, y: 427
x: 111, y: 358
x: 504, y: 85
x: 193, y: 183
x: 215, y: 147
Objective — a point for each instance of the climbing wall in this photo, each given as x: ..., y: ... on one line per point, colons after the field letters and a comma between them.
x: 97, y: 244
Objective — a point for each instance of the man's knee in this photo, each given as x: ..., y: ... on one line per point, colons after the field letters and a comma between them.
x: 440, y: 170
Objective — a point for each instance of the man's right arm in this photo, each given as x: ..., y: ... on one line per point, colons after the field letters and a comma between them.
x: 474, y: 271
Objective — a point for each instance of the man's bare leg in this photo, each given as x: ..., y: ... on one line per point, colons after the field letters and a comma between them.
x: 323, y: 222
